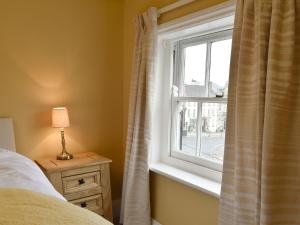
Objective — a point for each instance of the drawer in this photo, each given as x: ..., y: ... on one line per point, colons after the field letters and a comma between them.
x: 86, y: 169
x: 93, y: 203
x: 81, y: 182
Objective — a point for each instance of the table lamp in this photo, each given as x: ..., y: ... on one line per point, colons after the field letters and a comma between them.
x: 60, y: 119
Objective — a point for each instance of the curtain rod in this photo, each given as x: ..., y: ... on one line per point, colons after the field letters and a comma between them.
x: 174, y: 6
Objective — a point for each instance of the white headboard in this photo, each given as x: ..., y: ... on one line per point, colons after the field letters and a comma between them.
x: 7, y: 136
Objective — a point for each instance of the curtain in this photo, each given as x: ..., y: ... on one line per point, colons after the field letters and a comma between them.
x: 135, y: 208
x: 261, y: 174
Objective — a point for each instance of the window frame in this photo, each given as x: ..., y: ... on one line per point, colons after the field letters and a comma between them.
x: 214, y: 19
x: 178, y: 77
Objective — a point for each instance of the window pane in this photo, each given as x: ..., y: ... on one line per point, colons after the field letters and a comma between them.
x: 213, y: 131
x: 187, y: 127
x: 194, y: 71
x: 219, y: 69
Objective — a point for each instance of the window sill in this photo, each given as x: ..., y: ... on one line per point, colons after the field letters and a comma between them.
x: 203, y: 184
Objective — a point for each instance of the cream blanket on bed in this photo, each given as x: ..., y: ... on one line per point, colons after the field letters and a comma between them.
x: 23, y: 207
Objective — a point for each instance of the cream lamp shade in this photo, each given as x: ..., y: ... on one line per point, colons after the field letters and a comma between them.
x: 60, y: 117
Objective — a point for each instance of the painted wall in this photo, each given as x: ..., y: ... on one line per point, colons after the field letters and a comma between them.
x: 177, y: 204
x: 172, y: 202
x: 64, y: 52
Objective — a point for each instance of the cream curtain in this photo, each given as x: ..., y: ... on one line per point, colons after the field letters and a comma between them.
x: 261, y: 175
x: 135, y: 197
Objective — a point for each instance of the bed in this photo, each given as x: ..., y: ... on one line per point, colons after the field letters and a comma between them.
x: 26, y: 195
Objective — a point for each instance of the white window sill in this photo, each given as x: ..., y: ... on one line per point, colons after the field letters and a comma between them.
x: 203, y: 184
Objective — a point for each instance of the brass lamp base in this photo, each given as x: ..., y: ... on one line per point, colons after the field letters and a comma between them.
x: 64, y: 156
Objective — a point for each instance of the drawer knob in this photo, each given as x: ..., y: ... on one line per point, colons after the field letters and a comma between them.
x: 83, y: 204
x: 81, y: 181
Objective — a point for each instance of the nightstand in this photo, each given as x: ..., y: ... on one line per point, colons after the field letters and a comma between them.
x: 83, y: 181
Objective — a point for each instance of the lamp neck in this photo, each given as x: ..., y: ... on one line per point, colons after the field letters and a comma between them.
x: 63, y: 142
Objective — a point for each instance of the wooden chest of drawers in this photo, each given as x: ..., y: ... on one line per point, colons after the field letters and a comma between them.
x: 83, y: 181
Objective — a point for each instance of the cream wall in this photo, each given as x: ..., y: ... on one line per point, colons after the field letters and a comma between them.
x: 172, y: 202
x: 64, y: 52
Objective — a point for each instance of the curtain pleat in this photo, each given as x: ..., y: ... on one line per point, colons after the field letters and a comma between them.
x: 261, y: 174
x: 135, y: 208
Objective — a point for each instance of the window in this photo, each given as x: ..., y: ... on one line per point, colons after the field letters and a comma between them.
x: 200, y: 85
x: 190, y: 98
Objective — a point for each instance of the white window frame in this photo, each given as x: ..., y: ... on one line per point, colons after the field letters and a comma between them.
x: 178, y: 73
x: 211, y: 20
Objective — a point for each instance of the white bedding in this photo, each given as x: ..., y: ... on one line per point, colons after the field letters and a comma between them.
x: 17, y: 171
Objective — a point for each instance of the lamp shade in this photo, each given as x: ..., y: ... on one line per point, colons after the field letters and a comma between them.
x: 60, y: 117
